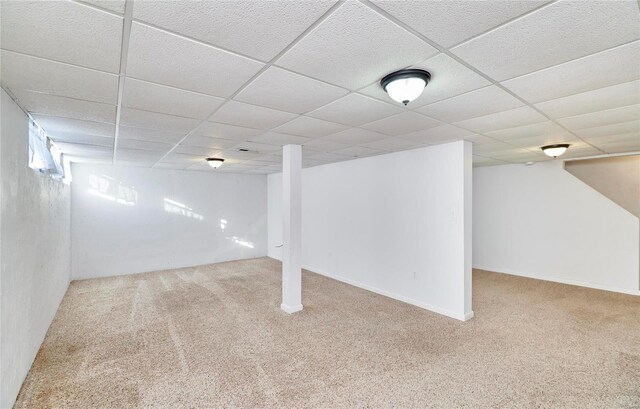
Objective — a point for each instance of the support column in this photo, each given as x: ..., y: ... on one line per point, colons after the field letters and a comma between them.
x: 292, y: 228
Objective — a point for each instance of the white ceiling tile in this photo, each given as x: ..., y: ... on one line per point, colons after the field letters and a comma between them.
x: 235, y: 154
x: 354, y: 110
x: 310, y: 127
x: 247, y: 27
x: 207, y: 142
x: 81, y: 138
x: 328, y: 157
x: 152, y: 120
x: 354, y: 47
x: 450, y: 22
x: 476, y: 103
x: 144, y: 145
x: 113, y: 5
x: 402, y: 124
x: 557, y: 33
x: 53, y: 105
x: 615, y: 129
x: 631, y: 137
x: 542, y: 128
x: 138, y: 155
x: 535, y: 142
x: 275, y: 138
x: 579, y: 149
x: 63, y: 31
x: 357, y: 151
x: 225, y: 131
x: 36, y: 74
x: 514, y: 155
x: 255, y: 147
x: 393, y: 144
x: 164, y: 58
x: 355, y: 136
x: 280, y: 89
x: 168, y: 100
x: 151, y: 135
x: 439, y: 134
x: 197, y: 150
x: 448, y: 78
x: 253, y: 116
x: 53, y: 125
x: 627, y: 93
x: 270, y: 158
x: 601, y: 118
x: 628, y: 142
x: 615, y: 66
x: 323, y: 145
x: 501, y: 120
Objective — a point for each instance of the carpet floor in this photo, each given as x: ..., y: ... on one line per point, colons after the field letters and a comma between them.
x: 214, y: 336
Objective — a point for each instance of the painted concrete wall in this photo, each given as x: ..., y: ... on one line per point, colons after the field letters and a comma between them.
x: 34, y: 248
x: 540, y: 221
x: 130, y: 219
x: 616, y: 177
x: 396, y: 224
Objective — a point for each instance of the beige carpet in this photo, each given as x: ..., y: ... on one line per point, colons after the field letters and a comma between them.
x: 214, y: 336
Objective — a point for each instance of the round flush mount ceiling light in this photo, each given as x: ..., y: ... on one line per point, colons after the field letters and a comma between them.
x: 405, y: 85
x: 215, y: 162
x: 555, y: 150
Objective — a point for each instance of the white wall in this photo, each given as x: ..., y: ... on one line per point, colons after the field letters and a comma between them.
x: 34, y: 248
x: 122, y: 223
x: 540, y: 221
x: 394, y: 224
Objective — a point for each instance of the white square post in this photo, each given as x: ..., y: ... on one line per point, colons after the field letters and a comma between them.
x: 292, y: 228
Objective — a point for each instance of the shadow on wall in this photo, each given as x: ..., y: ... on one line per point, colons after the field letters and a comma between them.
x: 616, y: 177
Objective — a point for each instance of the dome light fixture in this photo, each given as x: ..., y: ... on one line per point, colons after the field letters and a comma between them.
x: 555, y: 150
x: 405, y: 85
x: 215, y: 162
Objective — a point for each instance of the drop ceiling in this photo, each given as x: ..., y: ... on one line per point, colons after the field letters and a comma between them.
x: 167, y: 84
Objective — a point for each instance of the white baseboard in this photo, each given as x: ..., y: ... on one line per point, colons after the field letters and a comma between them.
x: 559, y: 280
x: 462, y: 317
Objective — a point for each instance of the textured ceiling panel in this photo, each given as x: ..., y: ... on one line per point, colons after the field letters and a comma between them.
x: 557, y: 33
x: 165, y: 58
x: 168, y: 100
x: 209, y: 78
x: 280, y: 89
x: 63, y: 31
x: 260, y: 29
x: 53, y: 105
x: 20, y: 71
x: 450, y: 22
x: 611, y: 67
x: 354, y: 47
x: 354, y: 110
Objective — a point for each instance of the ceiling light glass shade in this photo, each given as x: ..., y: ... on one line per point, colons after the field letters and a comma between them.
x: 215, y: 162
x: 555, y: 150
x: 405, y: 85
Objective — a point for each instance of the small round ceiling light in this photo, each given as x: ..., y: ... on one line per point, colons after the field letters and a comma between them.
x: 215, y: 162
x: 405, y: 85
x: 555, y: 150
